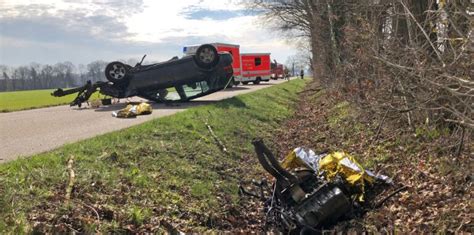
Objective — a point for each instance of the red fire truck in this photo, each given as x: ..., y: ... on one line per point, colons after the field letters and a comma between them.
x: 248, y: 67
x: 255, y: 67
x: 277, y: 71
x: 233, y: 49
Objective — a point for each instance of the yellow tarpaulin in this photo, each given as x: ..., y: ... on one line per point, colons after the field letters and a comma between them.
x: 343, y: 164
x: 132, y: 110
x: 332, y: 165
x: 291, y: 161
x: 301, y: 157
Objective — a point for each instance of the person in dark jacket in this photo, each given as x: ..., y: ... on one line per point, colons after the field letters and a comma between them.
x: 302, y: 74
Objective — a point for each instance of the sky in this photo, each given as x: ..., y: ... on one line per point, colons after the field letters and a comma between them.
x: 81, y: 31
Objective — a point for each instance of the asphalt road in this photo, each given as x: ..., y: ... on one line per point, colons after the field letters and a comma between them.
x: 29, y: 132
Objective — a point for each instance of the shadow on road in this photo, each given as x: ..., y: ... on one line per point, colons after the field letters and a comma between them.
x: 236, y: 102
x: 260, y: 84
x: 238, y: 88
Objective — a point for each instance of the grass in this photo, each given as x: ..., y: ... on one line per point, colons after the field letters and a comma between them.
x: 22, y: 100
x: 167, y: 169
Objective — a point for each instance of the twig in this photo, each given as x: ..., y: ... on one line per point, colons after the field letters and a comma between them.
x: 424, y: 32
x: 459, y: 149
x: 94, y: 210
x: 405, y: 100
x: 72, y: 177
x: 70, y: 227
x: 463, y: 222
x: 379, y: 127
x: 461, y: 123
x: 379, y: 203
x: 218, y: 141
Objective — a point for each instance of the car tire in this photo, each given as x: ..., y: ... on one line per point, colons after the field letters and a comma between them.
x: 256, y: 82
x: 206, y: 56
x: 245, y: 83
x: 116, y: 72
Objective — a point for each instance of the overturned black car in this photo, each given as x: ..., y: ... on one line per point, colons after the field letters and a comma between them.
x: 191, y: 76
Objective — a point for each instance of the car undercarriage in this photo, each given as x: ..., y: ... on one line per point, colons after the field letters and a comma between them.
x: 191, y: 77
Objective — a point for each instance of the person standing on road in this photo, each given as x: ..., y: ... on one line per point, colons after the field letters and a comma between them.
x: 302, y: 74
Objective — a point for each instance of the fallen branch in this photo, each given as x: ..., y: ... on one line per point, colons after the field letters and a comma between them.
x: 218, y: 141
x: 72, y: 177
x: 379, y: 203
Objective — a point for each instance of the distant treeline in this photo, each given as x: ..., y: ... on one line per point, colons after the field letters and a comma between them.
x: 37, y: 76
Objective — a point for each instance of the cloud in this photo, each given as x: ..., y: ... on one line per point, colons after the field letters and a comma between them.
x: 116, y: 8
x: 49, y: 31
x: 71, y: 27
x: 199, y: 14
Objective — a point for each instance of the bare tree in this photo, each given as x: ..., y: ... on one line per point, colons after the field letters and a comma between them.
x: 412, y: 57
x: 96, y: 70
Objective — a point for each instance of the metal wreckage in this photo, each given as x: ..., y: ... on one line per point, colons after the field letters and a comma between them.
x: 313, y: 191
x: 192, y: 76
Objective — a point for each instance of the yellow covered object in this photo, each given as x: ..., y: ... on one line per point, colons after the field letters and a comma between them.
x: 144, y: 109
x: 301, y: 157
x: 291, y: 161
x: 132, y: 110
x: 343, y: 164
x: 332, y: 165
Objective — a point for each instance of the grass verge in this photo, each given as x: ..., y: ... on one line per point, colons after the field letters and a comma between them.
x: 22, y: 100
x: 166, y: 171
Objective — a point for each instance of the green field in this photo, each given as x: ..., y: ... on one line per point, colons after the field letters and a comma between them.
x: 21, y: 100
x: 168, y: 169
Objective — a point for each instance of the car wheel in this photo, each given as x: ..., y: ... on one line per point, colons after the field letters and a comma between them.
x: 245, y: 83
x: 116, y: 72
x: 256, y: 82
x: 206, y: 56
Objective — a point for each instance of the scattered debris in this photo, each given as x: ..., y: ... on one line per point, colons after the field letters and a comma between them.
x: 133, y: 110
x: 96, y: 103
x: 313, y: 191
